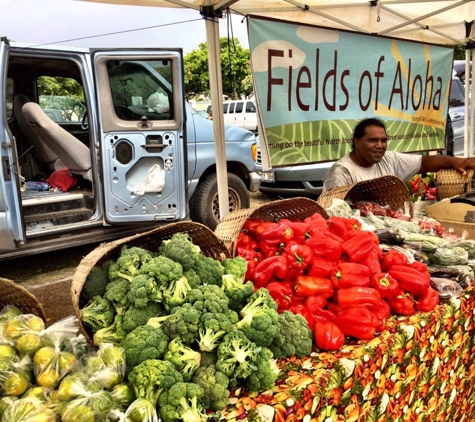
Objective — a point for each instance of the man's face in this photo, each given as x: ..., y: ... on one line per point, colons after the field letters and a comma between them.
x: 371, y: 147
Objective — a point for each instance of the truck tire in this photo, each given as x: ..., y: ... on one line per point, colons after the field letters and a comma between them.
x: 205, y: 207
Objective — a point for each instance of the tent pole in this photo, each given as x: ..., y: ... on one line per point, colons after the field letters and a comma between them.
x: 216, y: 89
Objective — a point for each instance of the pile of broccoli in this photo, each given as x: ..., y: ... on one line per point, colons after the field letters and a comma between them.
x: 190, y: 325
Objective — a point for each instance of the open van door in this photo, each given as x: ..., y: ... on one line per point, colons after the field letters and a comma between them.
x: 142, y: 134
x: 11, y: 228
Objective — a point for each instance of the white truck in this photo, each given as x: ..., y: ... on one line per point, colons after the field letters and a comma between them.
x: 112, y: 134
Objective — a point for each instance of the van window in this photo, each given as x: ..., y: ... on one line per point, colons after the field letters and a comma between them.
x: 250, y: 107
x: 225, y: 107
x: 457, y: 94
x: 231, y: 108
x: 239, y: 107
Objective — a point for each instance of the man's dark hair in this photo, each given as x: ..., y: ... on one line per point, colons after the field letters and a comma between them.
x: 360, y: 128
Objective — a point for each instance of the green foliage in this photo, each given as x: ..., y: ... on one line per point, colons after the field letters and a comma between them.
x: 235, y: 65
x: 143, y: 343
x: 215, y: 386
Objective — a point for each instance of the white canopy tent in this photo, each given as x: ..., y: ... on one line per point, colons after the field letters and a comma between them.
x: 430, y: 21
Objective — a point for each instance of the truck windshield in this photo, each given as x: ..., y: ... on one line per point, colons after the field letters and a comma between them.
x: 141, y: 89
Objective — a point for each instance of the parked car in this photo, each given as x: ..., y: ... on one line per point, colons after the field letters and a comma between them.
x: 242, y: 113
x: 307, y: 180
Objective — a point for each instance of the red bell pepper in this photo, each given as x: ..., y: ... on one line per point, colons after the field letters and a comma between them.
x: 382, y: 312
x: 419, y: 266
x: 385, y: 284
x: 298, y: 256
x: 320, y: 266
x: 277, y: 233
x: 327, y: 335
x: 333, y: 306
x: 358, y: 322
x: 325, y: 247
x: 251, y: 268
x: 358, y: 296
x: 372, y: 260
x: 261, y: 227
x: 337, y: 226
x: 402, y: 304
x: 282, y: 293
x: 268, y: 250
x: 316, y: 305
x: 316, y: 218
x: 349, y: 274
x: 267, y: 269
x: 249, y: 254
x: 307, y: 285
x: 300, y: 229
x: 301, y: 309
x: 393, y: 257
x: 414, y: 283
x: 428, y: 301
x: 352, y: 224
x: 249, y: 227
x: 411, y: 270
x: 358, y: 246
x: 246, y: 242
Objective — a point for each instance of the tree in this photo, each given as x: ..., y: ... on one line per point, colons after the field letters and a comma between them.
x: 235, y: 67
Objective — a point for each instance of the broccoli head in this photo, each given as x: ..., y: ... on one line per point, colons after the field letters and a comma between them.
x: 185, y: 359
x: 117, y: 292
x: 193, y: 279
x: 175, y: 293
x: 135, y: 317
x: 143, y: 254
x: 213, y: 327
x: 294, y: 339
x: 237, y: 267
x: 208, y: 298
x: 183, y: 322
x: 153, y: 377
x: 98, y: 313
x: 259, y: 318
x: 96, y: 281
x: 265, y: 376
x: 236, y: 291
x: 209, y: 270
x: 143, y: 343
x: 182, y: 402
x: 215, y: 386
x: 163, y: 270
x: 236, y: 355
x: 143, y: 289
x: 127, y: 266
x: 180, y: 248
x: 114, y: 333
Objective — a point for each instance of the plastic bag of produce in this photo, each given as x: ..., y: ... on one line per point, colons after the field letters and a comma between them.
x: 24, y: 324
x: 340, y: 207
x: 16, y: 375
x: 446, y: 288
x: 8, y: 312
x: 89, y: 406
x: 140, y: 410
x: 449, y: 256
x: 123, y: 395
x: 28, y: 409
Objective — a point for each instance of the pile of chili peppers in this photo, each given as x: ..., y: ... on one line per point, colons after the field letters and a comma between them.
x: 334, y: 274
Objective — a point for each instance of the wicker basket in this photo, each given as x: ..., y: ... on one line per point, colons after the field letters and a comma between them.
x: 386, y: 191
x: 451, y: 183
x: 201, y: 236
x: 16, y: 295
x: 230, y: 226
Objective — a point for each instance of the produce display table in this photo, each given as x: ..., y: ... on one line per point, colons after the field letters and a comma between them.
x: 420, y: 369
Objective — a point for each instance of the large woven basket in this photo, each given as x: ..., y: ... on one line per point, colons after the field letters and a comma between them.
x: 386, y: 191
x: 451, y: 183
x: 16, y: 295
x: 230, y: 226
x: 201, y: 236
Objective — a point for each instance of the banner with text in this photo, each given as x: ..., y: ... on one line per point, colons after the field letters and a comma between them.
x: 314, y: 84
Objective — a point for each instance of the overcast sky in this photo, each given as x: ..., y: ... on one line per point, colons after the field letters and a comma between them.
x: 84, y: 24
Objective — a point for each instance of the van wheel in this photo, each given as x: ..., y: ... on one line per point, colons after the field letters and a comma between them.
x: 205, y: 207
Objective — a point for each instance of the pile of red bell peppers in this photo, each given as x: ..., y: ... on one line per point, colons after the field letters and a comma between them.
x: 334, y: 274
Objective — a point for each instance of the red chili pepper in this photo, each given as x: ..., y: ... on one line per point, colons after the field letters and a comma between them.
x: 328, y: 335
x: 316, y: 305
x: 337, y: 226
x: 393, y: 257
x: 358, y: 296
x: 359, y: 246
x: 301, y: 309
x: 246, y: 242
x: 385, y: 284
x: 307, y: 285
x: 402, y: 305
x: 349, y: 274
x: 278, y: 233
x: 282, y: 293
x: 320, y: 266
x: 428, y: 301
x: 414, y: 283
x: 325, y: 247
x: 274, y: 266
x: 372, y: 260
x: 358, y: 322
x: 299, y: 256
x: 382, y: 312
x: 300, y: 229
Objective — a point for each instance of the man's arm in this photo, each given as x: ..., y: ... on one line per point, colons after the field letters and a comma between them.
x: 432, y: 163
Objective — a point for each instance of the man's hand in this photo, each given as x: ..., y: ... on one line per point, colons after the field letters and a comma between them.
x: 434, y: 163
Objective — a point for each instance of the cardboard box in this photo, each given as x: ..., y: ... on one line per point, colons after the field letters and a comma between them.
x: 462, y: 229
x: 445, y: 210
